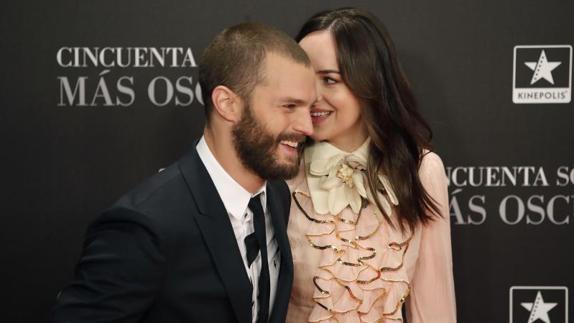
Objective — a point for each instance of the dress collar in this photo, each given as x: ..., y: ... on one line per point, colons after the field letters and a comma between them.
x: 338, y: 179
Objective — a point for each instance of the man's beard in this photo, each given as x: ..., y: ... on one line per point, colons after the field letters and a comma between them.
x: 257, y: 148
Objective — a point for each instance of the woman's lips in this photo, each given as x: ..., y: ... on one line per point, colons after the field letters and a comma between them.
x: 319, y: 116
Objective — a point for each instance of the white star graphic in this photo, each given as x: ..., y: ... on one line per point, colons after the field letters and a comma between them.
x: 538, y: 309
x: 542, y: 69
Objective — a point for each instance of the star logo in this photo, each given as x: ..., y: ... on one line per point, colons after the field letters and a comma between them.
x: 542, y: 74
x: 538, y: 309
x: 542, y: 69
x: 538, y: 304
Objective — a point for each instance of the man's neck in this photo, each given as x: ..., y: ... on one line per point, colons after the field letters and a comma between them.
x: 224, y: 152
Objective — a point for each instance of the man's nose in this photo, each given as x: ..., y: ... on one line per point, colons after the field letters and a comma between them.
x: 318, y: 89
x: 303, y: 122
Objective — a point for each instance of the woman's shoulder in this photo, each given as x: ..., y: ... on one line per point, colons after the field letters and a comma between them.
x: 431, y: 166
x: 430, y: 161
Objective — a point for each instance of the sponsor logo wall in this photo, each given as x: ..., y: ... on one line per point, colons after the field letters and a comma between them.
x: 114, y: 85
x: 476, y: 194
x: 96, y: 96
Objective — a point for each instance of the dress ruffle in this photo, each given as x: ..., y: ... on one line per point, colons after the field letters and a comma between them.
x: 361, y: 277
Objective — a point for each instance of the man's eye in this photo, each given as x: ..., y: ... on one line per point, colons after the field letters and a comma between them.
x: 290, y: 105
x: 329, y: 80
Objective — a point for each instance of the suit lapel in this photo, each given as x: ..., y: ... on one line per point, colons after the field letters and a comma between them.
x: 279, y: 215
x: 215, y: 226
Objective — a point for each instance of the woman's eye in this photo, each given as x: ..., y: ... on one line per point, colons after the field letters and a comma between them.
x: 289, y: 106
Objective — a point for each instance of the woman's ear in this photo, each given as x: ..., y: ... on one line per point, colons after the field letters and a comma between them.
x: 226, y: 103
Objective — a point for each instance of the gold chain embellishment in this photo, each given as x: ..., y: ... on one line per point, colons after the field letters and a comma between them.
x: 347, y: 221
x: 329, y: 246
x: 347, y: 263
x: 340, y: 252
x: 358, y: 281
x: 358, y: 238
x: 325, y: 292
x: 396, y: 246
x: 360, y: 260
x: 294, y: 195
x: 335, y: 248
x: 321, y: 234
x: 350, y: 222
x: 406, y: 245
x: 386, y: 315
x: 395, y: 310
x: 321, y: 290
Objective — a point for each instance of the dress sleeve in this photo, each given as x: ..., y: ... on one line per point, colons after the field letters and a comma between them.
x: 432, y: 297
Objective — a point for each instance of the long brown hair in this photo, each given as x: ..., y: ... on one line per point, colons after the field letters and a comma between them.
x: 369, y: 67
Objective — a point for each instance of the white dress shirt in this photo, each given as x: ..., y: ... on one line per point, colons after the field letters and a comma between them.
x: 236, y: 199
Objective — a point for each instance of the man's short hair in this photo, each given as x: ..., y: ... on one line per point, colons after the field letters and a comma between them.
x: 236, y: 56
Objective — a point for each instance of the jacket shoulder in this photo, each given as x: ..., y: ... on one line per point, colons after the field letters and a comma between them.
x: 161, y: 203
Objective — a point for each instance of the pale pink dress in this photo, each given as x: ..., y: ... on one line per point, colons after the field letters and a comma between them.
x: 368, y: 280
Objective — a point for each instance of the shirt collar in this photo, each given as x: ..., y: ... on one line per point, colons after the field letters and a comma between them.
x: 235, y: 198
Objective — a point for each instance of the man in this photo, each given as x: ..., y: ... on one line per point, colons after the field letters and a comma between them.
x: 205, y: 240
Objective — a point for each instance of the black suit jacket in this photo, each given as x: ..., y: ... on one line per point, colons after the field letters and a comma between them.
x: 166, y: 252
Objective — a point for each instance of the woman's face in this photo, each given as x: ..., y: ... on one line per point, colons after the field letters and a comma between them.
x: 337, y: 114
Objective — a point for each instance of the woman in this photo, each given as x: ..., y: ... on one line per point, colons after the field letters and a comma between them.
x: 369, y: 224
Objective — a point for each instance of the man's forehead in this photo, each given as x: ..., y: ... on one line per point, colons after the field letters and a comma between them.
x: 276, y: 60
x: 284, y: 69
x: 286, y: 80
x: 287, y: 92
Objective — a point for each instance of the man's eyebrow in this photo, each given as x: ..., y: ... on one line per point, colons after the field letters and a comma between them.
x: 293, y: 100
x: 327, y: 71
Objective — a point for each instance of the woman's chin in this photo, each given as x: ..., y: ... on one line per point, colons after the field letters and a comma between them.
x: 320, y: 134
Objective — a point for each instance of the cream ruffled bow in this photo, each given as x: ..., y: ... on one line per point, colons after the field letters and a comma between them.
x: 338, y: 179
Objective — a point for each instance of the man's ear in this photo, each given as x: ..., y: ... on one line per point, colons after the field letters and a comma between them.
x: 226, y: 103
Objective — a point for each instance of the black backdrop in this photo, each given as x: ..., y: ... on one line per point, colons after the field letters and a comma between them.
x: 510, y: 164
